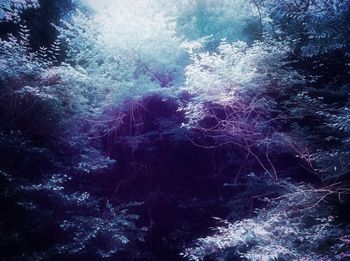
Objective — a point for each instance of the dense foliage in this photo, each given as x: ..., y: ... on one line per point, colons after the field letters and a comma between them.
x: 126, y: 126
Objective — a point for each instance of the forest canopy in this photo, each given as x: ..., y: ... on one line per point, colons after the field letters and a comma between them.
x: 175, y: 130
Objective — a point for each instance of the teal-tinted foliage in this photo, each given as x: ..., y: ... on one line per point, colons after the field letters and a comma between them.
x: 264, y: 84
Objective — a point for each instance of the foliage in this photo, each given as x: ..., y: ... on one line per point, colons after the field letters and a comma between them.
x: 118, y: 60
x: 318, y: 25
x: 317, y: 111
x: 92, y: 120
x: 293, y: 227
x: 314, y: 105
x: 40, y: 137
x: 236, y: 72
x: 77, y: 217
x: 10, y: 10
x: 328, y: 158
x: 234, y: 90
x: 231, y: 20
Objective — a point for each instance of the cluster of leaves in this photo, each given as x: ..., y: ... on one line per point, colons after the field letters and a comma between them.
x: 43, y: 110
x: 234, y: 73
x: 304, y: 97
x: 329, y: 118
x: 10, y: 11
x: 294, y: 226
x: 318, y: 25
x: 77, y: 219
x: 233, y: 95
x: 232, y: 20
x: 16, y: 54
x: 119, y: 61
x: 319, y: 107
